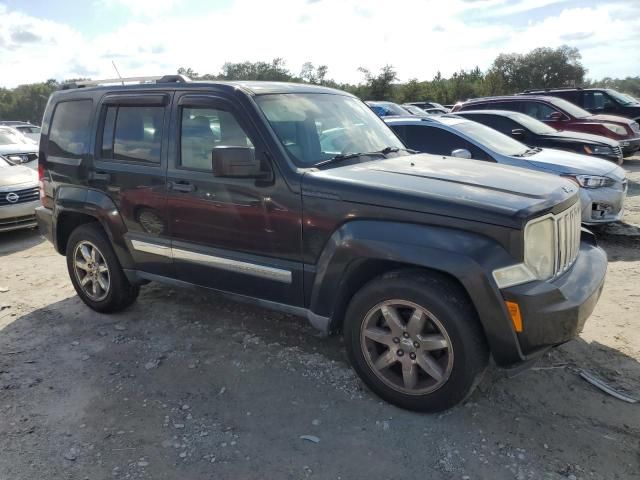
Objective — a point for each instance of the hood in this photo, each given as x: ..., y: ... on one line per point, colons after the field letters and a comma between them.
x: 17, y: 175
x: 583, y: 137
x: 446, y: 186
x: 18, y: 148
x: 609, y: 118
x: 559, y: 162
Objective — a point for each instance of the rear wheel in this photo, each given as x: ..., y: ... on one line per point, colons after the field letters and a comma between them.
x: 415, y: 340
x: 95, y: 271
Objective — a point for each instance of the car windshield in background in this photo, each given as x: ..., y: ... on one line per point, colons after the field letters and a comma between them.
x: 315, y: 127
x: 536, y: 126
x: 569, y: 107
x: 621, y: 97
x: 491, y: 138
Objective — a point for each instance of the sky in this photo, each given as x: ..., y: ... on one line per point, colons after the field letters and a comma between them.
x: 42, y: 39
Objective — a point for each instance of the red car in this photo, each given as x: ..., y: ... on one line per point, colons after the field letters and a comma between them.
x: 563, y: 115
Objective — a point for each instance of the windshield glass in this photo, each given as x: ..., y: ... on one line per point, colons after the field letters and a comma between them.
x: 9, y: 137
x: 570, y: 108
x: 491, y: 138
x: 621, y: 98
x: 314, y: 127
x: 534, y: 125
x: 414, y: 110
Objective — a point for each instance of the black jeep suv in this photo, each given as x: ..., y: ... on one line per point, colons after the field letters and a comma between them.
x: 299, y: 198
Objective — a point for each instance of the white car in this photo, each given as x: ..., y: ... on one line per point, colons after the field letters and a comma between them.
x: 19, y: 196
x: 18, y: 149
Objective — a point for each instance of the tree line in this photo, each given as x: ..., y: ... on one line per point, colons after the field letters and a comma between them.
x: 509, y: 73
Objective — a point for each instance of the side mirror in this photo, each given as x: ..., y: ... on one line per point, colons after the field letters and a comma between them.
x: 556, y: 116
x: 461, y: 153
x: 236, y: 162
x: 517, y: 133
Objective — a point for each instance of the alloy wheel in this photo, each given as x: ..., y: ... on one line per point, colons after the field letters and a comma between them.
x: 91, y: 270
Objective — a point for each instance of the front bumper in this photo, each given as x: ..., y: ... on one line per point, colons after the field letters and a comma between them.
x: 630, y: 146
x: 603, y: 205
x: 555, y: 312
x: 18, y: 216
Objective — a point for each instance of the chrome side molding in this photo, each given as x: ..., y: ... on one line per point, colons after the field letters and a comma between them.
x: 247, y: 268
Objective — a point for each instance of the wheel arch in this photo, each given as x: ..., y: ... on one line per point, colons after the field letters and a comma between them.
x: 363, y: 250
x: 76, y: 206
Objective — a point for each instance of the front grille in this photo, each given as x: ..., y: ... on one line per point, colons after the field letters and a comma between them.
x: 617, y: 151
x: 17, y: 222
x: 567, y: 238
x: 25, y: 195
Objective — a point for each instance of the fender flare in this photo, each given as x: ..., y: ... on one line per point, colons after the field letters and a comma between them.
x: 467, y: 256
x: 96, y: 204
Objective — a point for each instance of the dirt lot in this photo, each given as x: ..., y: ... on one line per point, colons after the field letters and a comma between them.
x: 189, y: 386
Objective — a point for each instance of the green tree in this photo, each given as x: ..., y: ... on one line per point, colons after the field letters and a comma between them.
x: 379, y: 87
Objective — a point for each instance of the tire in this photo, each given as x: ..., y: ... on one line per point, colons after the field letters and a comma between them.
x: 443, y: 317
x: 113, y: 292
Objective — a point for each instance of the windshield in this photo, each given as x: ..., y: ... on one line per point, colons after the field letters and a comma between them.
x: 490, y: 138
x: 532, y: 124
x: 413, y: 109
x: 9, y: 137
x: 314, y: 127
x: 621, y: 97
x: 568, y: 107
x: 28, y: 129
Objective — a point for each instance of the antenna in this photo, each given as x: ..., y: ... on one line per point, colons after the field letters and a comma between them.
x: 116, y: 69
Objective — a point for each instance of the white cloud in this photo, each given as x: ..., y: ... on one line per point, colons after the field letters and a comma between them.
x: 343, y: 34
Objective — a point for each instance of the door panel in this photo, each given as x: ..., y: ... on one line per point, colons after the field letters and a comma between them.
x: 240, y: 235
x: 130, y: 166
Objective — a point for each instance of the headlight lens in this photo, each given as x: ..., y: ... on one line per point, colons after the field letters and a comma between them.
x: 598, y: 150
x: 15, y: 159
x: 539, y: 247
x: 592, y: 181
x: 617, y: 129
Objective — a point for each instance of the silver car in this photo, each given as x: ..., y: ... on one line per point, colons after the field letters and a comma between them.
x: 19, y: 196
x: 603, y: 185
x: 17, y: 148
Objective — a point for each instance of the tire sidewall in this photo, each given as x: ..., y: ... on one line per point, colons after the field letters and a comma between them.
x: 468, y: 360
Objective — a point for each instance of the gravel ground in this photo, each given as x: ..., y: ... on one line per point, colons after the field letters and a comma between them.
x: 187, y: 385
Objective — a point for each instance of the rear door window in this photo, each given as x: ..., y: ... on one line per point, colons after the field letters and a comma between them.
x: 69, y: 131
x: 132, y: 133
x: 539, y: 110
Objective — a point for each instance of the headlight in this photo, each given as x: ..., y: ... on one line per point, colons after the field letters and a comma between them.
x: 598, y: 150
x: 617, y: 129
x: 17, y: 159
x: 592, y: 181
x: 539, y: 255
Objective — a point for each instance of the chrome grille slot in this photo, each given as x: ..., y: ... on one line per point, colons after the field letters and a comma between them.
x: 567, y: 238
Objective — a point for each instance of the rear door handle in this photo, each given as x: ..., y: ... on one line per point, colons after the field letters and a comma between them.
x: 185, y: 187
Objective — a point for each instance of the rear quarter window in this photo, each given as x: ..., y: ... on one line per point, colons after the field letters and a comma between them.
x: 70, y: 126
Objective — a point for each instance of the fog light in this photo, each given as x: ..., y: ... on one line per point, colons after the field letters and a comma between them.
x: 599, y: 210
x: 514, y: 313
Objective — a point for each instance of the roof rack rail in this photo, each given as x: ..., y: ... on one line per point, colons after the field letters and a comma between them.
x: 531, y: 90
x: 134, y: 80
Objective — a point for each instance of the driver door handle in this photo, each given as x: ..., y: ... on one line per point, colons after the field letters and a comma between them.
x: 185, y: 187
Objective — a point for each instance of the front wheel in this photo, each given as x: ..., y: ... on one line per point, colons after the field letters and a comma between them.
x: 95, y: 271
x: 415, y: 340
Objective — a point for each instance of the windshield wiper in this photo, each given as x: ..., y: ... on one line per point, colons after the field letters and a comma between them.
x: 346, y: 156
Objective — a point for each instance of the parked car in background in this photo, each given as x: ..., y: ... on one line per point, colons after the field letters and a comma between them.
x: 413, y: 110
x: 563, y: 115
x: 603, y: 186
x: 28, y: 130
x: 535, y: 133
x: 433, y: 106
x: 386, y: 109
x: 596, y: 100
x: 19, y: 196
x: 427, y: 267
x: 17, y: 148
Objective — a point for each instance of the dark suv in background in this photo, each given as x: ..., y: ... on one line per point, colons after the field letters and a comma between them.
x: 300, y: 199
x: 563, y: 115
x: 596, y: 100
